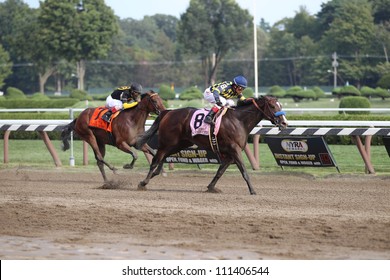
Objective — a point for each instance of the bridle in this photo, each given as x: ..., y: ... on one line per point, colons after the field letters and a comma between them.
x: 150, y: 99
x: 271, y: 116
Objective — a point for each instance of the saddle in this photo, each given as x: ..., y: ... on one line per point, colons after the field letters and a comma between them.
x: 199, y: 127
x: 97, y: 122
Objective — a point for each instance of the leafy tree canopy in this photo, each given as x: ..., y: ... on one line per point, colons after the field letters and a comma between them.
x: 74, y: 34
x: 213, y: 28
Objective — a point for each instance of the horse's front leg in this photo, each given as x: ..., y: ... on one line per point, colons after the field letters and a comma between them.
x: 154, y: 167
x: 222, y: 168
x: 244, y: 173
x: 158, y: 170
x: 148, y: 150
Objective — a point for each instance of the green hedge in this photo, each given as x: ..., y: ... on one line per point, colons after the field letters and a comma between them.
x: 297, y: 93
x: 37, y: 103
x: 276, y: 91
x: 248, y: 92
x: 355, y: 102
x: 191, y: 94
x: 348, y: 90
x: 384, y: 81
x: 166, y: 92
x: 14, y: 93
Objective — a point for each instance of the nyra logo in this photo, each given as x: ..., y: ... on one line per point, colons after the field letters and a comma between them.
x: 294, y: 146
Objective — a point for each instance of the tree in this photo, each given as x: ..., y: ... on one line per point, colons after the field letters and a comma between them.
x: 302, y: 24
x: 352, y: 30
x: 329, y: 11
x: 5, y: 65
x: 77, y: 34
x: 381, y: 10
x: 212, y: 28
x: 15, y: 21
x: 351, y: 34
x: 290, y: 54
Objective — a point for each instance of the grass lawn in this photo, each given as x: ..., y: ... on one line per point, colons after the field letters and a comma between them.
x: 34, y: 153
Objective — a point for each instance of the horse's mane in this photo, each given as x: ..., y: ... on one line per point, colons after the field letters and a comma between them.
x: 245, y: 106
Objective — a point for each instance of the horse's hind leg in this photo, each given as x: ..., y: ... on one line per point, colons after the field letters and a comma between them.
x: 135, y: 157
x: 99, y: 156
x: 222, y: 168
x: 100, y: 164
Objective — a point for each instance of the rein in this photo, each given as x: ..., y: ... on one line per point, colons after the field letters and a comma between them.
x: 277, y: 114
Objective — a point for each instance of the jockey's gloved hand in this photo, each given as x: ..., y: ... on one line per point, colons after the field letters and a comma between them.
x: 244, y: 101
x: 248, y: 100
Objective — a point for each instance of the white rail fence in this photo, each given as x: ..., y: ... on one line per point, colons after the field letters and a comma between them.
x: 355, y: 129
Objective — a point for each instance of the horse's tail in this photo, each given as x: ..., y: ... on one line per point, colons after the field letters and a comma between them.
x: 65, y: 135
x: 143, y: 138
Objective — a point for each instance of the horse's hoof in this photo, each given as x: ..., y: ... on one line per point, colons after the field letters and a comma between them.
x: 164, y: 174
x: 114, y: 170
x: 128, y: 166
x: 253, y: 193
x: 214, y: 190
x: 141, y: 187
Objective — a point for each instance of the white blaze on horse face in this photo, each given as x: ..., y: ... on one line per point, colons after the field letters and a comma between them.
x: 284, y: 119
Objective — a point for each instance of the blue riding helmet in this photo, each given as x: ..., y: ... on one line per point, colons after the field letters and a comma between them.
x: 240, y: 81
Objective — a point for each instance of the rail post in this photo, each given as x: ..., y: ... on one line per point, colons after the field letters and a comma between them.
x: 71, y: 158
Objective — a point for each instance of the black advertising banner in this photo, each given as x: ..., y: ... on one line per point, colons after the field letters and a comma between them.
x: 193, y: 155
x: 386, y: 142
x: 190, y: 155
x: 301, y: 151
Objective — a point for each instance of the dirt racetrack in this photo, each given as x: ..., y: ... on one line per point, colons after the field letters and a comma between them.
x: 62, y: 213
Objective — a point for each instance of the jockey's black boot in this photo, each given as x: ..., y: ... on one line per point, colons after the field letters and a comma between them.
x: 209, y: 118
x: 107, y: 116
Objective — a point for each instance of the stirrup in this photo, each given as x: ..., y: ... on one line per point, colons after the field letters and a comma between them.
x: 209, y: 120
x: 106, y: 118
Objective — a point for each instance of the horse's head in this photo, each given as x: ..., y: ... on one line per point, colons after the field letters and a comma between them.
x: 272, y: 111
x: 153, y: 102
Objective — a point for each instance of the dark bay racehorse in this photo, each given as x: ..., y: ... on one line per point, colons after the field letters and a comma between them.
x: 125, y: 129
x: 174, y: 134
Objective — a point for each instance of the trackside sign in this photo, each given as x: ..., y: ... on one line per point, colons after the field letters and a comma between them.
x: 193, y: 155
x: 301, y: 151
x: 190, y: 155
x: 386, y: 142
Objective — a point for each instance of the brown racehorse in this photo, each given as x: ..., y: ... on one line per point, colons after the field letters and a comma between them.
x: 174, y: 134
x: 125, y: 128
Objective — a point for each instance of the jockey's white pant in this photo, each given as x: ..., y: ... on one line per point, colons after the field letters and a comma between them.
x: 209, y: 96
x: 111, y: 102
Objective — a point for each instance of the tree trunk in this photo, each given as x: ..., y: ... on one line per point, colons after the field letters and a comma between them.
x: 385, y: 51
x: 213, y: 68
x: 206, y: 72
x: 43, y: 77
x: 80, y: 74
x: 58, y: 85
